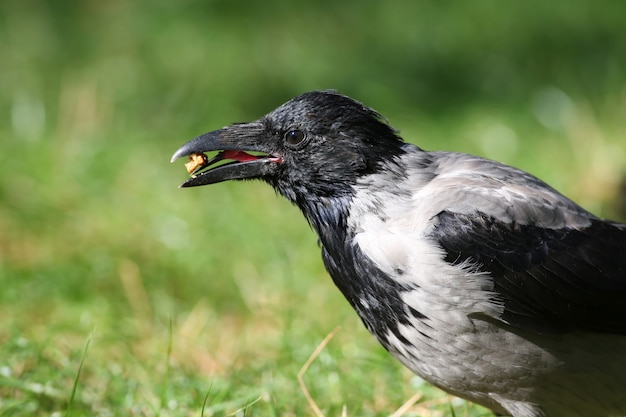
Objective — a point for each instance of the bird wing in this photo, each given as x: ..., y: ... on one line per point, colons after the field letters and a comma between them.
x: 550, y: 278
x: 554, y: 267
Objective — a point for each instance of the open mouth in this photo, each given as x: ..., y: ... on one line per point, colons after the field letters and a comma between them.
x: 226, y: 165
x: 200, y: 162
x: 237, y: 152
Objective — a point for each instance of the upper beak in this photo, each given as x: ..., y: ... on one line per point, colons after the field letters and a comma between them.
x: 233, y: 142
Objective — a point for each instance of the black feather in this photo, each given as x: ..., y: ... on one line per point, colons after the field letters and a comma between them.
x: 550, y: 281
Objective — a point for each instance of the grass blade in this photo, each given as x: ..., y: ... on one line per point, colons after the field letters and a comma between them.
x: 305, y: 367
x: 77, y: 378
x: 166, y: 376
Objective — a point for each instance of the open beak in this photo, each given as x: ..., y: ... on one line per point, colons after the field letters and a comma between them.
x: 232, y: 144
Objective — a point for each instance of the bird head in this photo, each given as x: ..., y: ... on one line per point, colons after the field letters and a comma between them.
x: 317, y: 144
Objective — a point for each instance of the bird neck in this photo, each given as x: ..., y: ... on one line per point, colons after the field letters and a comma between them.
x: 375, y: 295
x: 327, y: 216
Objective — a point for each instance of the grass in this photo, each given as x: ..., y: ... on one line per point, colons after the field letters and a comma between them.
x: 123, y: 295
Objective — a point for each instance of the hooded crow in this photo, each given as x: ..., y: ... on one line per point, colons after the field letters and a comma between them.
x: 477, y: 276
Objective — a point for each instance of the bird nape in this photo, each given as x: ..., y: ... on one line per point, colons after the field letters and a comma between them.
x: 477, y: 276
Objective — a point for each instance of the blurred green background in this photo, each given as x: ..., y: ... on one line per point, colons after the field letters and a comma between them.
x: 208, y: 301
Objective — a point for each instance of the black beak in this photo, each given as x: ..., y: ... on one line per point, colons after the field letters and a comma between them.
x: 233, y: 144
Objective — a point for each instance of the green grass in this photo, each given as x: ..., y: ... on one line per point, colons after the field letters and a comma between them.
x: 124, y: 295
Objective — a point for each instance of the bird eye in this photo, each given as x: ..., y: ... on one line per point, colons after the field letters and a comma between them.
x: 294, y: 137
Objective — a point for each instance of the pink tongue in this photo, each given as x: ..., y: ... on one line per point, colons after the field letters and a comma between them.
x: 238, y: 156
